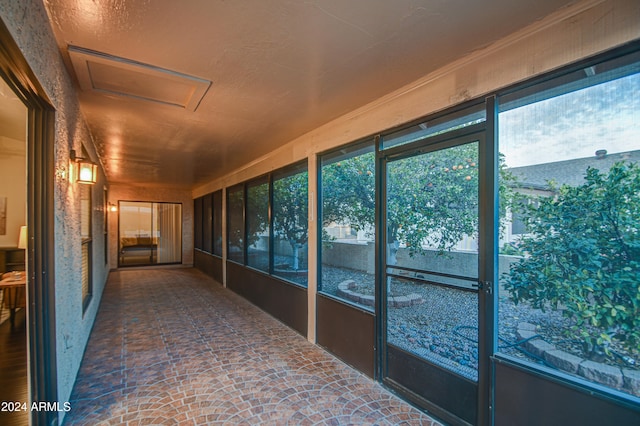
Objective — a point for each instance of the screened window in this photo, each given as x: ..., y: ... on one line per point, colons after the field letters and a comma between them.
x: 207, y: 219
x: 105, y: 224
x: 258, y: 224
x: 348, y: 213
x: 168, y: 231
x: 87, y: 241
x: 235, y: 224
x: 569, y: 260
x: 217, y: 223
x: 207, y: 223
x: 197, y: 219
x: 435, y: 126
x: 290, y: 224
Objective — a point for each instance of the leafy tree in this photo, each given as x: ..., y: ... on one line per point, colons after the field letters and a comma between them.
x: 236, y: 224
x: 432, y: 198
x: 257, y: 219
x: 583, y: 254
x: 349, y: 192
x: 290, y: 212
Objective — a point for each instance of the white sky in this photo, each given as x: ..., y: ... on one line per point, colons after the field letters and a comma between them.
x: 574, y: 125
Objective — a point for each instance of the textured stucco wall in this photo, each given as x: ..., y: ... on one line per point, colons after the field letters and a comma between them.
x: 121, y: 192
x: 28, y: 23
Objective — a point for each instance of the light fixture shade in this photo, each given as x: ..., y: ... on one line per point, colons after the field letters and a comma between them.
x: 87, y: 172
x: 22, y: 239
x: 82, y: 170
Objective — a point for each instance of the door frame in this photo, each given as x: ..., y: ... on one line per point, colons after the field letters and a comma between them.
x: 17, y: 73
x: 487, y: 201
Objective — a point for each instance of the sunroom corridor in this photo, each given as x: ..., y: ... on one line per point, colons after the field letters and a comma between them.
x: 172, y: 346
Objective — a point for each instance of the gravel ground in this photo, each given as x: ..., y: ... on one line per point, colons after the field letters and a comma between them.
x: 443, y: 329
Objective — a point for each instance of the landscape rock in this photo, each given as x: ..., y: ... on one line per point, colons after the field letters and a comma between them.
x: 563, y: 360
x: 539, y: 347
x: 601, y: 373
x: 631, y: 380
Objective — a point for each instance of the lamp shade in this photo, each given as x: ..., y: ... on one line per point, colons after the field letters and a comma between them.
x: 22, y: 239
x: 87, y: 172
x: 82, y: 170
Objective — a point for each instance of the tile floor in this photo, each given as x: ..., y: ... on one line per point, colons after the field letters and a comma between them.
x: 171, y: 346
x: 13, y: 368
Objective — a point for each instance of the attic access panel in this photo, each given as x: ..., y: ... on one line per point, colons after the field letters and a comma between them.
x: 109, y: 74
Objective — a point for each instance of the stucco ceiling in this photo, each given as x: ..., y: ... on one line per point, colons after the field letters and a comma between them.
x: 273, y: 70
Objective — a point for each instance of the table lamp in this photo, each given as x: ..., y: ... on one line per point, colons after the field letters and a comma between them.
x: 22, y: 240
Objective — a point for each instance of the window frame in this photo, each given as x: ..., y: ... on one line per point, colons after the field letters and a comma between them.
x: 86, y: 213
x: 239, y: 188
x: 277, y: 175
x: 254, y: 183
x: 216, y: 225
x: 363, y: 146
x: 197, y: 223
x: 566, y: 80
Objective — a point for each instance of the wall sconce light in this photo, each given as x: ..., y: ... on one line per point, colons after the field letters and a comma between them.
x: 22, y: 239
x: 83, y: 170
x: 112, y: 207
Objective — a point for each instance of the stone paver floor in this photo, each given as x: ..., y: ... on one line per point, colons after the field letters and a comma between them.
x: 171, y: 346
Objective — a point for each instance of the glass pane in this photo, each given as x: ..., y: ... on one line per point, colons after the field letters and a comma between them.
x: 348, y: 212
x: 150, y: 233
x: 466, y: 117
x: 197, y: 226
x: 207, y: 218
x: 85, y: 211
x: 290, y: 226
x: 86, y: 270
x: 168, y: 232
x: 258, y: 224
x: 217, y: 223
x: 136, y: 233
x: 432, y: 257
x: 570, y: 259
x: 235, y: 225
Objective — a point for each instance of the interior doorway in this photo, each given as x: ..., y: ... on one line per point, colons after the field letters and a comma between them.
x: 149, y: 233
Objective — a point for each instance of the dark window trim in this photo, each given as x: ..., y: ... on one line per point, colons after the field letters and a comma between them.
x: 270, y: 178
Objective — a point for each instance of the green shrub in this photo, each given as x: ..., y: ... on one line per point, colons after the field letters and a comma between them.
x: 582, y: 254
